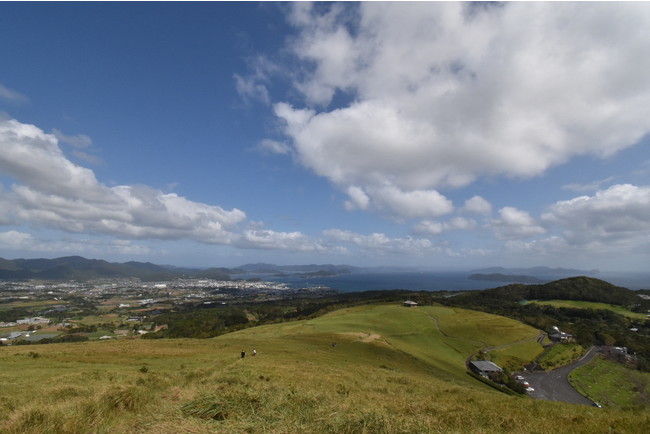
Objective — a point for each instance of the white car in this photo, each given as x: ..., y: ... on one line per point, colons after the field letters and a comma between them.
x: 529, y: 389
x: 519, y: 378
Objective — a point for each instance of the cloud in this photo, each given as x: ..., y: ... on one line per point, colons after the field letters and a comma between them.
x: 358, y: 199
x: 619, y: 215
x: 54, y: 192
x: 254, y: 86
x: 515, y: 224
x: 87, y: 157
x: 11, y: 96
x: 437, y: 95
x: 51, y: 191
x: 79, y: 141
x: 24, y: 242
x: 478, y: 205
x: 251, y: 89
x: 14, y: 240
x: 268, y: 239
x: 82, y: 145
x: 415, y: 203
x: 381, y: 243
x: 592, y: 186
x: 126, y: 247
x: 274, y: 146
x: 435, y: 228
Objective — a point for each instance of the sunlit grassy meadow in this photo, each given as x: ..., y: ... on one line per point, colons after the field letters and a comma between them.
x: 366, y: 369
x: 579, y: 304
x: 612, y: 384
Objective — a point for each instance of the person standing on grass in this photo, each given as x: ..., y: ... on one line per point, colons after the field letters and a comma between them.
x: 254, y: 352
x: 243, y: 354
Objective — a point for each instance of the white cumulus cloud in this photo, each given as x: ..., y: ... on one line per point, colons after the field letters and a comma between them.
x: 381, y: 243
x: 515, y: 224
x: 478, y: 205
x: 14, y: 240
x: 434, y: 228
x: 617, y: 215
x: 440, y: 94
x: 52, y: 191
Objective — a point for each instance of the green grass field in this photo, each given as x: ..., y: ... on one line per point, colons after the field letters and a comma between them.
x: 560, y: 355
x: 612, y: 384
x: 391, y: 370
x: 591, y: 305
x: 516, y: 356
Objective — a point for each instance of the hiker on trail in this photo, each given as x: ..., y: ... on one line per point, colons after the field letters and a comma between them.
x: 243, y: 354
x: 254, y: 352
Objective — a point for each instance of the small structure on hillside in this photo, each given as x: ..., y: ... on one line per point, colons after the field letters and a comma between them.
x: 559, y: 336
x: 409, y: 303
x: 484, y: 368
x: 619, y: 354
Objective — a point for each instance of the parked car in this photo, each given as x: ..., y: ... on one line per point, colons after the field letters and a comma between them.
x: 519, y: 378
x: 595, y: 404
x: 529, y: 389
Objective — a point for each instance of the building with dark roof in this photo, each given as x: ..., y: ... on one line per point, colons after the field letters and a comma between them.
x: 484, y: 368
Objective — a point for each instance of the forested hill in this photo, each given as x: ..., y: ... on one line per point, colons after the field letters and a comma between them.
x: 574, y: 288
x: 79, y: 268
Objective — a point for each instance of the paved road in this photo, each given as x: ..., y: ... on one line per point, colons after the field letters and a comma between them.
x: 554, y: 385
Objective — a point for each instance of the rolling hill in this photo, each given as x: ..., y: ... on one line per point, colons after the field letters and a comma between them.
x: 373, y: 368
x: 79, y: 268
x: 581, y: 288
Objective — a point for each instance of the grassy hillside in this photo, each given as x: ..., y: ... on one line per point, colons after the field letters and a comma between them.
x: 366, y: 369
x: 579, y: 288
x: 577, y: 304
x: 611, y: 383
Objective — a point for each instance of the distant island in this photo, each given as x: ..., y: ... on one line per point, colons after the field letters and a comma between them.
x: 509, y: 278
x: 542, y: 273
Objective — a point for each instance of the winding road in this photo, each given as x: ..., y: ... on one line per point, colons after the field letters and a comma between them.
x: 551, y: 385
x: 554, y: 385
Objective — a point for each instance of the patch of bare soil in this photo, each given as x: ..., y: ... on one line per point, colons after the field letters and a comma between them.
x: 366, y: 337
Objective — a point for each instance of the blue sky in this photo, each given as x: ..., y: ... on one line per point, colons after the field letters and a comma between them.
x: 422, y: 134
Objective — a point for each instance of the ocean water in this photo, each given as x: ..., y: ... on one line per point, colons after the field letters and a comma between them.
x: 425, y: 281
x: 368, y: 281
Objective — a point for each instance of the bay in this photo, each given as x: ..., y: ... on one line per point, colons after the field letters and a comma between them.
x: 358, y: 281
x: 372, y: 281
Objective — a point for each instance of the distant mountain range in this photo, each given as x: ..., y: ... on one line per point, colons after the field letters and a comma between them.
x: 511, y: 278
x: 79, y: 268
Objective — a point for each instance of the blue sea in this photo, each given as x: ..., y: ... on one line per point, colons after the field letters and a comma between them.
x: 369, y: 281
x: 422, y: 281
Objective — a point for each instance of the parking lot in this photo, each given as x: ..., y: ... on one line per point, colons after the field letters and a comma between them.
x: 554, y: 385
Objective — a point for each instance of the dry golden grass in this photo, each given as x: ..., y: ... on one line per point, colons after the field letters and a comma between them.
x: 298, y: 383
